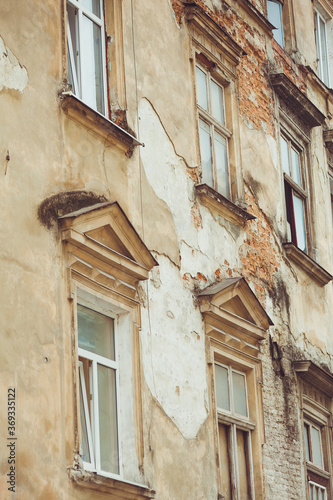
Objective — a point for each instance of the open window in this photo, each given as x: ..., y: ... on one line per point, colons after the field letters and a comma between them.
x: 105, y: 260
x: 293, y: 160
x: 235, y: 323
x: 86, y: 52
x: 274, y: 15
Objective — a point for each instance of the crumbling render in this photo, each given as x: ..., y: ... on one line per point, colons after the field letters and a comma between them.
x: 13, y: 76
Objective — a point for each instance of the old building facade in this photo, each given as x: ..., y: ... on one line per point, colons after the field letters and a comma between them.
x: 166, y: 190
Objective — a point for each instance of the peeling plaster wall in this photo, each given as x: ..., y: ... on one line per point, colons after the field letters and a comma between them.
x: 13, y: 76
x: 43, y: 152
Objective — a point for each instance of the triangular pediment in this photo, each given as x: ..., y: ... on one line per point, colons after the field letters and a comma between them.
x: 235, y: 296
x: 236, y: 306
x: 101, y: 236
x: 109, y: 238
x: 233, y: 313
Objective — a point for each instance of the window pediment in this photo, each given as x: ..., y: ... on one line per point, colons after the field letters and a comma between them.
x: 103, y: 245
x: 210, y: 39
x: 296, y: 100
x: 234, y: 315
x: 315, y: 376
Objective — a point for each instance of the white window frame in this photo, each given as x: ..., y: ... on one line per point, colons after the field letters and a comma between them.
x: 214, y: 126
x: 311, y: 425
x: 298, y: 190
x: 236, y: 422
x: 95, y: 464
x: 323, y: 70
x: 79, y: 81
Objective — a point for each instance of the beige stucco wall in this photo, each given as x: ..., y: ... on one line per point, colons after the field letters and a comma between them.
x: 49, y: 154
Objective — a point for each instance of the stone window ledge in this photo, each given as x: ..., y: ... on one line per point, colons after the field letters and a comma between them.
x: 308, y: 265
x: 98, y: 124
x: 119, y: 489
x: 226, y: 208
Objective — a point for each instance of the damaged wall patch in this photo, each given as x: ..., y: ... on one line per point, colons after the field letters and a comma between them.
x: 13, y: 76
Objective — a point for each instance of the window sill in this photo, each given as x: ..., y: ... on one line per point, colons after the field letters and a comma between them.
x: 98, y: 124
x: 308, y: 265
x: 216, y: 201
x: 119, y: 489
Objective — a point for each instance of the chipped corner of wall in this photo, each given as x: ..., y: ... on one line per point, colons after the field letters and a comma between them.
x: 13, y: 76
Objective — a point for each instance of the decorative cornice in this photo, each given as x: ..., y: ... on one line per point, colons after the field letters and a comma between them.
x: 196, y: 17
x: 308, y: 265
x: 315, y: 376
x: 296, y: 100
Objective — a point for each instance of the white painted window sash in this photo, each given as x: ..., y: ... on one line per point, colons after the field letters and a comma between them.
x: 323, y: 69
x: 72, y: 58
x: 215, y: 126
x: 87, y: 465
x: 96, y: 359
x: 80, y: 82
x: 231, y: 394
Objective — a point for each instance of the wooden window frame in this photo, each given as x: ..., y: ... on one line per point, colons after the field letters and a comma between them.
x: 250, y: 369
x: 214, y: 127
x: 315, y: 389
x: 100, y: 275
x: 93, y: 422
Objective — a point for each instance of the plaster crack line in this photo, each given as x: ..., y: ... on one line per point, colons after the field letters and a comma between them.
x: 167, y: 134
x: 162, y: 254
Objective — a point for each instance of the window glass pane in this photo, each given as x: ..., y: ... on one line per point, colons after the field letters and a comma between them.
x: 306, y: 442
x: 202, y: 97
x: 299, y: 222
x: 83, y: 419
x: 285, y: 156
x: 222, y: 388
x: 91, y: 65
x: 295, y: 159
x: 93, y: 6
x: 224, y: 448
x: 217, y: 102
x: 311, y: 492
x: 221, y: 160
x: 107, y: 410
x: 316, y: 447
x: 274, y: 14
x: 243, y: 464
x: 96, y: 332
x: 239, y: 394
x: 206, y: 155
